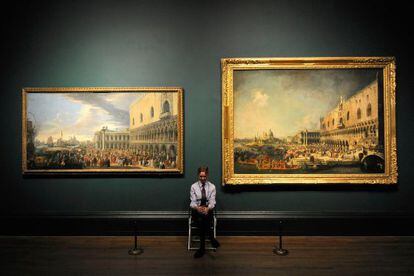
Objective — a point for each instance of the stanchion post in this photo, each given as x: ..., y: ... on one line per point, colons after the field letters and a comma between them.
x: 136, y: 250
x: 279, y: 250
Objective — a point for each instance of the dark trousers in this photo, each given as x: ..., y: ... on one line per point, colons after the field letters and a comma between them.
x: 203, y: 222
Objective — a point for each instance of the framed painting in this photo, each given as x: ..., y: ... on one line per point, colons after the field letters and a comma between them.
x: 101, y: 130
x: 309, y: 120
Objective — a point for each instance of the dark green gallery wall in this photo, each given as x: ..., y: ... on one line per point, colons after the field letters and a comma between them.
x: 180, y: 43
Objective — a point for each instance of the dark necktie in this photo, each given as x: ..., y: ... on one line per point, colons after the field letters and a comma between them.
x: 203, y: 196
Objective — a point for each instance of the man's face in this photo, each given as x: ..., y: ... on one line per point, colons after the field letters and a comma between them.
x: 202, y: 177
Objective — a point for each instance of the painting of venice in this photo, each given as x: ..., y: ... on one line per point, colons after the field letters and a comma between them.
x: 308, y: 121
x: 98, y: 131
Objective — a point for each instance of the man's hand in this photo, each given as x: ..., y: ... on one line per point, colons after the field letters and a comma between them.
x: 202, y: 210
x: 205, y: 210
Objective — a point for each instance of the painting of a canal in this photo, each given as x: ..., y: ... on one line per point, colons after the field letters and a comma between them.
x: 309, y: 121
x: 102, y: 130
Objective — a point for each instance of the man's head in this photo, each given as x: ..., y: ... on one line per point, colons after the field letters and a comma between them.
x: 202, y: 174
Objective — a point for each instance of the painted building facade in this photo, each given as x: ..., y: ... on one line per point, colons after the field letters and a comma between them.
x: 153, y: 125
x: 111, y: 139
x: 353, y: 122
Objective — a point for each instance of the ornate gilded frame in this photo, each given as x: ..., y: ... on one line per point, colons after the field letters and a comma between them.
x: 177, y: 170
x: 386, y: 64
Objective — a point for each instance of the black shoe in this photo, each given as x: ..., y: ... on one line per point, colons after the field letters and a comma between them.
x: 199, y: 253
x: 215, y: 243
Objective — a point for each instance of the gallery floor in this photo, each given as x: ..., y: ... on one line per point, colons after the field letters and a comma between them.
x: 311, y: 255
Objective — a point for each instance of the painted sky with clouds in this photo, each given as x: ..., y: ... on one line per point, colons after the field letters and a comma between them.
x: 78, y: 114
x: 288, y: 101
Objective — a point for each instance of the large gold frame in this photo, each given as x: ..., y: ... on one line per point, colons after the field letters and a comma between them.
x: 387, y: 64
x: 96, y: 171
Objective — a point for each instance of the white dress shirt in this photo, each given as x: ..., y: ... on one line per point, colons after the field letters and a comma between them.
x: 195, y: 194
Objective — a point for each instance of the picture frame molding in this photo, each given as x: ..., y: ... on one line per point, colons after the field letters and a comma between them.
x: 387, y: 64
x: 102, y: 172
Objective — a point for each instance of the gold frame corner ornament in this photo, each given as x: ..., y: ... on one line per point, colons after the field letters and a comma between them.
x: 388, y: 67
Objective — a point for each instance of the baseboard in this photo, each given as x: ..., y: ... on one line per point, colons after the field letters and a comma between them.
x: 229, y: 223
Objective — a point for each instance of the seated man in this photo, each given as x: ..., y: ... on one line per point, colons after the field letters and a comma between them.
x: 203, y: 201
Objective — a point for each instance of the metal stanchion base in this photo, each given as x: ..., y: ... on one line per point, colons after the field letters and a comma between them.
x: 280, y: 251
x: 135, y: 251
